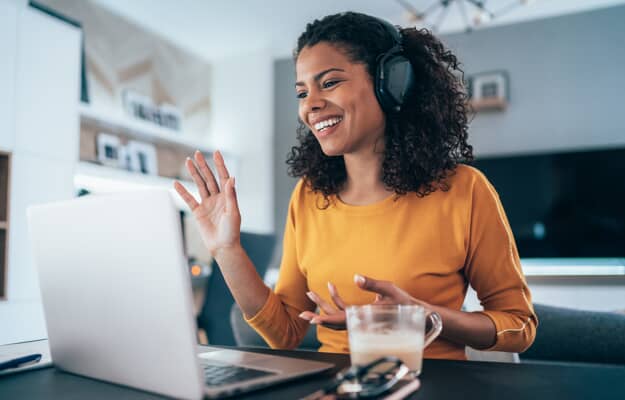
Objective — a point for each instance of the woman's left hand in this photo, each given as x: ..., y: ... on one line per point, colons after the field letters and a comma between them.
x: 334, y: 315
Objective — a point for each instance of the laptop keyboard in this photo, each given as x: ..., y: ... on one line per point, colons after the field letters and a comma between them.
x: 222, y: 374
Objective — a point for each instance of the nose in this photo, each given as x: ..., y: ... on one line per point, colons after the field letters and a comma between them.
x: 314, y: 101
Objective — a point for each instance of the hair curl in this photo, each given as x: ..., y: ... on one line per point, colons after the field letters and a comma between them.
x: 425, y: 141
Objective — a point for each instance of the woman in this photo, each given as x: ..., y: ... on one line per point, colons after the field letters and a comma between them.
x: 384, y: 212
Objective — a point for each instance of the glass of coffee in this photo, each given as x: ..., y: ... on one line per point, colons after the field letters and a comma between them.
x: 390, y: 330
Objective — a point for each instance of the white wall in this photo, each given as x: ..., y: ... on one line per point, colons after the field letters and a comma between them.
x: 243, y: 126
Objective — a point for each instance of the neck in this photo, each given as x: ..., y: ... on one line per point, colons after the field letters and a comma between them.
x: 364, y: 179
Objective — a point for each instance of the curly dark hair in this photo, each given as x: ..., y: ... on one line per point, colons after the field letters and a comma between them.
x: 425, y: 141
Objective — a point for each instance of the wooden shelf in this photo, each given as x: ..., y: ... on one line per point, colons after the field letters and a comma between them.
x: 489, y: 104
x: 142, y: 130
x: 101, y: 179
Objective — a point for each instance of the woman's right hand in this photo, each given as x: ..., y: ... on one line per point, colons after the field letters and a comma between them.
x: 217, y: 212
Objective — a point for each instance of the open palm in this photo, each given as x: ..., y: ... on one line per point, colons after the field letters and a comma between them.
x: 217, y: 212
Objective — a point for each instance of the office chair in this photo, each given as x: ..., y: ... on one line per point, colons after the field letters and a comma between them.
x: 214, y: 318
x: 565, y: 334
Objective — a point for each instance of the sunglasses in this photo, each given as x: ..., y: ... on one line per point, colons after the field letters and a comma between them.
x: 365, y: 381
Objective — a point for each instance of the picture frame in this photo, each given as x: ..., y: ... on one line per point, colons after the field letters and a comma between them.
x: 489, y: 91
x: 109, y: 150
x: 143, y: 108
x: 142, y: 157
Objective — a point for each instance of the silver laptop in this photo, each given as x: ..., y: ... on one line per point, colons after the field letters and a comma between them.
x: 117, y: 299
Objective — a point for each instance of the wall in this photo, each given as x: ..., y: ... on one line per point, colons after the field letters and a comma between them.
x: 285, y: 117
x: 243, y: 125
x: 566, y: 82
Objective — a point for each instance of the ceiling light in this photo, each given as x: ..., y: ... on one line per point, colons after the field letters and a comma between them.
x: 434, y: 15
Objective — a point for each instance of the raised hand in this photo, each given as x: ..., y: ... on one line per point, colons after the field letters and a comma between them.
x: 217, y: 211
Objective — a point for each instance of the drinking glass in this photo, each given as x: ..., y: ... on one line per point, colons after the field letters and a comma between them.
x: 377, y: 331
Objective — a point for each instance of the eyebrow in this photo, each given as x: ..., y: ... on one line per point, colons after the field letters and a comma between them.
x: 320, y: 75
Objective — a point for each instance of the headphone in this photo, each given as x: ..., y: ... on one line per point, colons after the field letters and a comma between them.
x: 394, y: 76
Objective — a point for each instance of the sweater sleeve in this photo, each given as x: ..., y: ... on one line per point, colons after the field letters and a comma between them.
x: 493, y: 269
x: 278, y: 320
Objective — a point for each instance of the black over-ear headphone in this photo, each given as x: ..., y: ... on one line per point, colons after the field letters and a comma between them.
x: 394, y: 75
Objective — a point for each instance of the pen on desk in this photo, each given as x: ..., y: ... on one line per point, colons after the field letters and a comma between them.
x: 20, y: 361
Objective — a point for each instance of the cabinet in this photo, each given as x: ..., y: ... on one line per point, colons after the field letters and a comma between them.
x: 41, y: 135
x: 5, y: 171
x: 8, y: 40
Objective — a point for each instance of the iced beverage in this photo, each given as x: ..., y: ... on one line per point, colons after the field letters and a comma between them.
x: 377, y: 331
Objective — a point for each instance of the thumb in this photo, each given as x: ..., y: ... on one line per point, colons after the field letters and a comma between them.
x: 232, y: 205
x: 384, y: 288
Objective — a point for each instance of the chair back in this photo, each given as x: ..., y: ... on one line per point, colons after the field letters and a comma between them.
x: 565, y: 334
x: 245, y: 335
x: 215, y: 315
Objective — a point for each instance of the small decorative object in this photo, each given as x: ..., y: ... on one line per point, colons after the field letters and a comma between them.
x: 488, y: 90
x: 108, y: 149
x: 124, y: 158
x: 142, y: 107
x: 142, y: 157
x: 170, y: 116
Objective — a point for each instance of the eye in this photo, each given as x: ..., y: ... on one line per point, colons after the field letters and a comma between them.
x: 301, y: 95
x: 330, y: 83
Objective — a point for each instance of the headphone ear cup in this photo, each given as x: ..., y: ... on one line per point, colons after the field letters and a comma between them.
x: 394, y: 79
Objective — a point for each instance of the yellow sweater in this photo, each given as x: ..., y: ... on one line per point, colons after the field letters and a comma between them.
x: 432, y: 247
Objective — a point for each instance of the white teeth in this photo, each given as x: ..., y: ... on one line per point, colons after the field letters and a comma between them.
x: 319, y: 126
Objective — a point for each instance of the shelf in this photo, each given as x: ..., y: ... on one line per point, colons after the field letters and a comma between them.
x: 489, y: 104
x: 100, y: 179
x: 142, y: 130
x: 562, y: 267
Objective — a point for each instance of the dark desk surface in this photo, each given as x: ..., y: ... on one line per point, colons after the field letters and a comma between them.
x: 441, y: 379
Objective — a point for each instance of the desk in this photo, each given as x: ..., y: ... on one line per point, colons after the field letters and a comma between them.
x: 441, y: 379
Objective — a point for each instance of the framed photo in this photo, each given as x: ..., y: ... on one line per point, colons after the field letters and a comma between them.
x: 489, y: 90
x: 142, y: 107
x: 170, y: 117
x: 109, y: 150
x: 142, y: 157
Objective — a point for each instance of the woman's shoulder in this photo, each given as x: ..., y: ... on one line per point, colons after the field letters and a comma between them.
x: 302, y: 193
x: 466, y: 176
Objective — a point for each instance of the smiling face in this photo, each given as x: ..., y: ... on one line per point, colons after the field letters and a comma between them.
x: 337, y: 102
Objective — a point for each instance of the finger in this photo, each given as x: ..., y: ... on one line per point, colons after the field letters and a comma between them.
x: 335, y: 296
x: 324, y: 305
x: 385, y: 288
x: 335, y: 321
x: 186, y: 196
x: 197, y: 178
x: 381, y: 300
x: 222, y: 171
x: 307, y: 315
x: 211, y: 183
x: 232, y: 204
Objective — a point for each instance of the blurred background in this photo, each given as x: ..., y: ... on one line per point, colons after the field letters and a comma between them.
x: 101, y: 96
